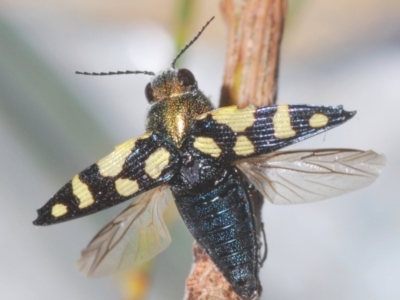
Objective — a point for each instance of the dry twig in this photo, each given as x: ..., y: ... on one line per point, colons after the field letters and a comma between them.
x: 255, y: 32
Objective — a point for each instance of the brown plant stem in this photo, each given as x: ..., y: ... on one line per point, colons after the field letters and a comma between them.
x: 255, y: 32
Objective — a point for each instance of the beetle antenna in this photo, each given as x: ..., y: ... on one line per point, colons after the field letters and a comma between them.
x: 191, y: 42
x: 116, y: 73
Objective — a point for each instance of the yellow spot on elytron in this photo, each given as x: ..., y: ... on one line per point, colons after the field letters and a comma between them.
x: 127, y: 144
x: 145, y: 136
x: 156, y: 162
x: 126, y: 187
x: 59, y: 210
x: 112, y: 164
x: 237, y: 119
x: 81, y: 191
x: 207, y: 145
x: 202, y: 116
x: 243, y: 146
x: 282, y: 125
x: 318, y: 120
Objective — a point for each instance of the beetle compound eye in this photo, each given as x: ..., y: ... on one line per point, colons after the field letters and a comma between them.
x: 186, y: 77
x: 149, y: 93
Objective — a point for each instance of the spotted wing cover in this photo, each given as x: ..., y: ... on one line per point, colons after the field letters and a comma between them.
x: 230, y: 133
x: 133, y: 237
x: 293, y: 177
x: 135, y: 166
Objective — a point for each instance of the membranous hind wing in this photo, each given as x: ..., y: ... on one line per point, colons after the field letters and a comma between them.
x: 135, y: 166
x: 293, y: 177
x: 230, y: 134
x: 136, y: 235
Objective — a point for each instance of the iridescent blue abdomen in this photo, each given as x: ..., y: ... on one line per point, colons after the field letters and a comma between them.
x: 221, y: 220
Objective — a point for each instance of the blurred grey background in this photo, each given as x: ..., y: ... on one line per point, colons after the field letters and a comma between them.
x: 54, y: 123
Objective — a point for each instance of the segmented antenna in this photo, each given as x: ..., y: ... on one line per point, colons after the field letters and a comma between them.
x: 191, y: 42
x: 115, y: 73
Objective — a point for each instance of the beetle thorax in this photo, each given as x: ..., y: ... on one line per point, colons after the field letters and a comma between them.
x: 176, y: 102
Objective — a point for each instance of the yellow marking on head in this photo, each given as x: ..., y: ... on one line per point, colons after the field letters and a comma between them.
x: 318, y: 120
x: 126, y: 187
x: 282, y: 123
x: 58, y: 210
x: 156, y: 162
x: 81, y: 191
x: 207, y: 145
x: 237, y: 119
x: 112, y: 164
x: 145, y: 136
x: 243, y: 146
x: 180, y: 125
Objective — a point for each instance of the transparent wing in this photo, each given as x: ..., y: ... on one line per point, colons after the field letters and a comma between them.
x: 133, y: 237
x: 293, y: 177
